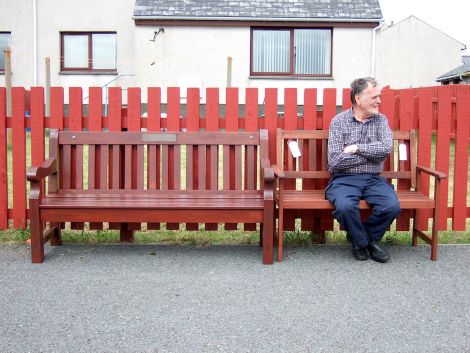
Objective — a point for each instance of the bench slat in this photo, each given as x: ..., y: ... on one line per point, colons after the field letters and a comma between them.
x: 150, y: 138
x: 315, y: 200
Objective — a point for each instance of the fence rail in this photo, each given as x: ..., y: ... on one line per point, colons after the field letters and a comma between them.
x: 443, y: 112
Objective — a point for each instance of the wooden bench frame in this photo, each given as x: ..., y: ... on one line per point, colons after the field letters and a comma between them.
x: 315, y: 168
x: 117, y: 191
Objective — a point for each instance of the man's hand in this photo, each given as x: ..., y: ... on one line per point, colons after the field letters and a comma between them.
x: 350, y: 149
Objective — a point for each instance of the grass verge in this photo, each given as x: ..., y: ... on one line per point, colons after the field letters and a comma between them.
x: 295, y: 238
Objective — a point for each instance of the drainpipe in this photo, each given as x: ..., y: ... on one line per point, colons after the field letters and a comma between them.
x: 35, y: 44
x: 373, y: 51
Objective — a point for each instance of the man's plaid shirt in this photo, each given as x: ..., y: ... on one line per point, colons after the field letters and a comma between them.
x: 373, y: 138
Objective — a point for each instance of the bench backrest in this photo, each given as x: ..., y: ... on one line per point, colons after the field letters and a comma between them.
x: 162, y: 161
x: 312, y: 164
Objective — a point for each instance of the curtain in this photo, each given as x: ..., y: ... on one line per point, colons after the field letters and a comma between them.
x: 271, y: 51
x: 4, y: 43
x: 104, y: 50
x: 312, y: 51
x: 76, y: 51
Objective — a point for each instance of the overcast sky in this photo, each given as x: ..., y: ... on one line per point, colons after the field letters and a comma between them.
x: 449, y: 16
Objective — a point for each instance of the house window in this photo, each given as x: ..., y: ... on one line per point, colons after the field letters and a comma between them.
x: 291, y: 52
x: 4, y: 43
x: 93, y: 52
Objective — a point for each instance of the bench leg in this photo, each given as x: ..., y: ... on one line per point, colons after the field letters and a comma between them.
x: 280, y: 234
x: 37, y: 238
x: 414, y: 234
x: 261, y: 234
x: 55, y: 237
x: 434, y: 236
x: 126, y: 234
x: 268, y: 225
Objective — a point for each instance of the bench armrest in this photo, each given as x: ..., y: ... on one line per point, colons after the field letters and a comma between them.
x: 48, y: 167
x: 300, y: 174
x: 438, y: 175
x: 278, y: 172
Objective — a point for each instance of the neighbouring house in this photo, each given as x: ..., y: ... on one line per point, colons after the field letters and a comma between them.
x: 412, y: 53
x: 89, y: 43
x: 459, y: 75
x: 218, y: 43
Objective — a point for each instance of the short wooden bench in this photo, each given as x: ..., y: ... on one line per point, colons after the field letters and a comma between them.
x: 312, y: 167
x: 134, y: 177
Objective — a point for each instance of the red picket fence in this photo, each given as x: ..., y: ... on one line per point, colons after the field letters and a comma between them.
x: 441, y: 111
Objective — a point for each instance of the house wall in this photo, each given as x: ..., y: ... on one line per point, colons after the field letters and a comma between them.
x: 19, y: 21
x: 413, y: 53
x: 197, y: 57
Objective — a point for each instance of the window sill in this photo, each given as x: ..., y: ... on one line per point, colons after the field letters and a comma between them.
x: 309, y: 78
x: 88, y: 73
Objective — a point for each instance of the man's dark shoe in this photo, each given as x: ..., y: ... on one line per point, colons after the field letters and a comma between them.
x: 359, y: 253
x: 377, y: 253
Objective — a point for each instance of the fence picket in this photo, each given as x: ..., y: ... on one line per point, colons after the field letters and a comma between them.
x: 424, y: 148
x: 173, y: 125
x: 329, y: 106
x: 442, y: 153
x: 461, y: 160
x: 19, y: 157
x: 406, y: 115
x: 270, y: 119
x: 231, y: 110
x: 3, y: 161
x: 75, y: 109
x: 37, y: 125
x: 56, y: 120
x: 115, y: 109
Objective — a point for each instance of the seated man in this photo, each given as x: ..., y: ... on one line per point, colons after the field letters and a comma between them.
x: 359, y: 142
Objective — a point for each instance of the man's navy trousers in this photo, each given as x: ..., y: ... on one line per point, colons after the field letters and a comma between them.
x: 344, y: 191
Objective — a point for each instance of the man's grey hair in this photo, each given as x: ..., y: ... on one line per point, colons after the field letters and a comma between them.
x: 359, y: 85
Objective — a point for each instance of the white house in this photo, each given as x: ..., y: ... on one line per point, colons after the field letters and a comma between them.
x: 412, y: 53
x: 188, y: 43
x: 217, y: 43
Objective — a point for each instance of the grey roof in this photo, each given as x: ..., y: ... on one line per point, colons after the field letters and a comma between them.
x: 462, y: 70
x: 304, y: 10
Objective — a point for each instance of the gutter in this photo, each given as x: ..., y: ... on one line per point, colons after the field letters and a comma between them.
x: 374, y: 48
x: 250, y: 19
x: 35, y: 43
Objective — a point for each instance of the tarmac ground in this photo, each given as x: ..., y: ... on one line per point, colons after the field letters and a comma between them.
x: 160, y: 298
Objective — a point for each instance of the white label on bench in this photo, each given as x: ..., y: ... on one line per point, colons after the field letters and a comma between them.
x: 402, y: 155
x: 294, y: 148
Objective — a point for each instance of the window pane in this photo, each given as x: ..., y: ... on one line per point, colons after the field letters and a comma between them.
x: 76, y: 51
x: 104, y: 51
x: 271, y: 51
x: 312, y: 51
x: 4, y: 43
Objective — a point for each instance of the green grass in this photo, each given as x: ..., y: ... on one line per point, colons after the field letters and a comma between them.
x: 202, y: 238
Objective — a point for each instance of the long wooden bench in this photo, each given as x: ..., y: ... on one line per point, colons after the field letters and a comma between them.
x: 311, y: 168
x: 134, y: 177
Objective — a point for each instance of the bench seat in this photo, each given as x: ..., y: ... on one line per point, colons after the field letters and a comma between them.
x: 153, y: 206
x: 315, y: 200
